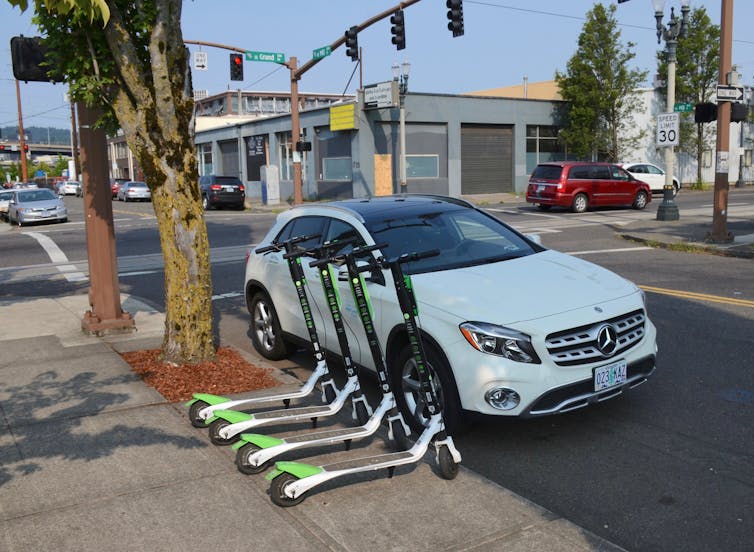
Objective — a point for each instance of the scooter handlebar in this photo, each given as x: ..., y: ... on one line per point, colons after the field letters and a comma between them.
x: 411, y: 257
x: 280, y: 246
x: 268, y: 248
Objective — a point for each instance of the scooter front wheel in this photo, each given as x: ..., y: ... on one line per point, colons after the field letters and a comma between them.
x: 197, y: 407
x: 214, y: 433
x: 277, y: 491
x: 448, y: 466
x: 242, y: 460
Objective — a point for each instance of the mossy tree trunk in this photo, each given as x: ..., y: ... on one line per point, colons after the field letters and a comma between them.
x: 136, y: 67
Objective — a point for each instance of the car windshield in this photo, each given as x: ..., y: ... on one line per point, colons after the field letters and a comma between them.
x: 137, y: 185
x: 465, y: 237
x: 35, y: 195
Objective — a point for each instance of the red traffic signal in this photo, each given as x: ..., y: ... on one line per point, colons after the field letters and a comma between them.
x: 236, y: 67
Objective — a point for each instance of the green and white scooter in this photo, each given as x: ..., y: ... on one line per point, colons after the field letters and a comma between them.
x: 255, y: 451
x: 290, y: 481
x: 203, y: 406
x: 226, y: 426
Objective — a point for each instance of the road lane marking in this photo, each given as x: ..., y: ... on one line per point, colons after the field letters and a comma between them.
x: 700, y: 296
x: 617, y: 250
x: 57, y: 256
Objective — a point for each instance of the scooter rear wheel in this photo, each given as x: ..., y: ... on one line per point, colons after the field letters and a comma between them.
x: 362, y: 414
x: 448, y: 466
x: 214, y: 433
x: 277, y: 491
x: 197, y: 407
x: 401, y: 441
x: 242, y: 460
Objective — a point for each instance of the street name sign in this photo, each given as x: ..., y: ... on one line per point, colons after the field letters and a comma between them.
x: 730, y: 93
x: 320, y: 53
x: 382, y: 94
x: 683, y: 108
x: 667, y: 129
x: 274, y: 57
x: 200, y: 61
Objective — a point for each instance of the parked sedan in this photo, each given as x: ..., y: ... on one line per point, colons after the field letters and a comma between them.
x: 652, y: 175
x: 5, y: 196
x: 509, y: 327
x: 134, y: 191
x: 69, y: 187
x: 36, y: 205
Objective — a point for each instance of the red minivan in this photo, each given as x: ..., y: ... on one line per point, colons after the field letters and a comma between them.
x: 579, y: 186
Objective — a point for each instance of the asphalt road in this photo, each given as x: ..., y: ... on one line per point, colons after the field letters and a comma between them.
x: 666, y: 467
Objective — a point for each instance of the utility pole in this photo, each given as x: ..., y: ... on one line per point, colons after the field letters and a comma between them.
x: 105, y: 315
x: 720, y: 232
x: 21, y: 137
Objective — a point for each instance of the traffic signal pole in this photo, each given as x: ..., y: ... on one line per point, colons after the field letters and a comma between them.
x: 720, y: 232
x: 21, y: 137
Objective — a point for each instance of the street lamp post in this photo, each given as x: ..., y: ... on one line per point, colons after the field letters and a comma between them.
x: 675, y: 29
x: 400, y: 75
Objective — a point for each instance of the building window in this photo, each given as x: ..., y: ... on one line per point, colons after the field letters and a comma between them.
x: 542, y: 146
x: 336, y: 168
x: 285, y: 155
x: 204, y: 156
x: 422, y: 166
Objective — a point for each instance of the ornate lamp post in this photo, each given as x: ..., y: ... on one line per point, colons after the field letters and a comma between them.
x: 400, y: 75
x: 675, y: 29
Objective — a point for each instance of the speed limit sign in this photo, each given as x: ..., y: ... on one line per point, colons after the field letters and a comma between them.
x: 667, y: 129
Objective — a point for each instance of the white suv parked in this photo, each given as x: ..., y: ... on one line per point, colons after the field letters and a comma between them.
x: 510, y: 328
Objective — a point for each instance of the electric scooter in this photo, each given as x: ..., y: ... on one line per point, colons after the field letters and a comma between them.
x: 203, y: 405
x: 255, y: 451
x: 290, y: 481
x: 225, y: 426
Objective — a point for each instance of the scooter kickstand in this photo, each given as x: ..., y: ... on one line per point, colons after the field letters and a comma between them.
x: 286, y: 402
x: 390, y: 471
x: 314, y: 422
x: 347, y: 443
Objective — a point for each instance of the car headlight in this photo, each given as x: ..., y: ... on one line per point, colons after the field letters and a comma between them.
x: 499, y: 340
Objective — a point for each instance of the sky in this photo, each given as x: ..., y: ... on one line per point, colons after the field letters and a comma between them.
x: 505, y: 41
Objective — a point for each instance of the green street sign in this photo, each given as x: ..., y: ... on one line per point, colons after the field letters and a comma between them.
x: 683, y: 108
x: 320, y: 53
x: 273, y: 57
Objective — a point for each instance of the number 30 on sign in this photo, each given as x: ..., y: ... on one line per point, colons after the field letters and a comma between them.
x: 667, y: 129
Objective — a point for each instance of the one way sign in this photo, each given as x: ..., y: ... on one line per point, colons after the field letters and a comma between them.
x: 730, y: 93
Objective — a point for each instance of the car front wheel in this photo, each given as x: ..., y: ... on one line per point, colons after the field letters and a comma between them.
x: 407, y: 388
x: 266, y: 334
x: 640, y: 201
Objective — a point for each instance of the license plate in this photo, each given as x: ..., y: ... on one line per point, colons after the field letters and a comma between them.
x: 229, y: 188
x: 610, y: 375
x: 540, y: 189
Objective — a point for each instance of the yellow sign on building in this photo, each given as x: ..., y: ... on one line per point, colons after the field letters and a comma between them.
x: 343, y: 117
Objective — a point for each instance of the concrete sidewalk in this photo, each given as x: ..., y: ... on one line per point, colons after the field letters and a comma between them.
x: 92, y: 459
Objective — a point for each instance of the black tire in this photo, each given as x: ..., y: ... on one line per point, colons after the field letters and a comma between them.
x: 544, y: 207
x: 196, y: 421
x: 205, y: 203
x: 242, y: 462
x: 330, y: 393
x: 405, y: 382
x: 401, y: 441
x: 266, y: 334
x: 214, y: 433
x: 445, y: 463
x: 640, y: 201
x: 277, y: 488
x: 580, y: 203
x: 362, y: 414
x: 676, y: 188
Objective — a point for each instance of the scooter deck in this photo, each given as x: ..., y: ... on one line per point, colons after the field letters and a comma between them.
x: 388, y: 459
x: 294, y: 413
x: 353, y: 432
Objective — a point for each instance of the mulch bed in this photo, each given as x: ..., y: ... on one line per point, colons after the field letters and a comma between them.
x: 228, y: 373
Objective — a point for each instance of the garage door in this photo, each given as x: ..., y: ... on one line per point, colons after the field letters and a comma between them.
x: 486, y: 159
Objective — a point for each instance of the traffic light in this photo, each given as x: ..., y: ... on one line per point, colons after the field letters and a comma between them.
x: 352, y: 43
x: 455, y: 16
x: 705, y: 112
x: 236, y: 67
x: 398, y: 29
x: 738, y: 112
x: 30, y: 60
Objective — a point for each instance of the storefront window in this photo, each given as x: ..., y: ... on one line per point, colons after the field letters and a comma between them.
x: 543, y: 145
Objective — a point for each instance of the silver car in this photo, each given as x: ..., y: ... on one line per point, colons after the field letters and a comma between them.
x: 132, y: 191
x: 36, y: 205
x: 5, y: 196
